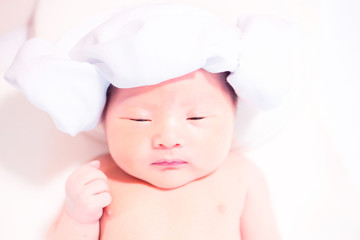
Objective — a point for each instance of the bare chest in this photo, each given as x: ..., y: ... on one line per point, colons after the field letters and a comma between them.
x: 206, y: 209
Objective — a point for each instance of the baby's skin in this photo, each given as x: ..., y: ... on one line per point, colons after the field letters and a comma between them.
x: 172, y: 171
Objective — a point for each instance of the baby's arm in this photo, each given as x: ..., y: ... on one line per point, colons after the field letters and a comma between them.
x: 257, y: 220
x: 86, y: 196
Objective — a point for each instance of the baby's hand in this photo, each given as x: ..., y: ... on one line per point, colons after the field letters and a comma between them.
x: 87, y: 193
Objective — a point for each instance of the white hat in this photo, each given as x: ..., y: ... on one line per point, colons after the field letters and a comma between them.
x: 146, y: 45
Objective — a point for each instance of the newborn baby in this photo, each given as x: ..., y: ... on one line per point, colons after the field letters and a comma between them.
x: 166, y: 81
x: 171, y: 171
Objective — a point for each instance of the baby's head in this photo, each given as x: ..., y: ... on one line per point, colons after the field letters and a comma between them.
x: 164, y: 122
x: 163, y: 133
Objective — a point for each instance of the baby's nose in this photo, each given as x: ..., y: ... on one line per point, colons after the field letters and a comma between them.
x: 167, y: 145
x: 169, y: 136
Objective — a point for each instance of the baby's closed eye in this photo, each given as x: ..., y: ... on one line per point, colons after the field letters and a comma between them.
x: 195, y: 118
x: 140, y: 119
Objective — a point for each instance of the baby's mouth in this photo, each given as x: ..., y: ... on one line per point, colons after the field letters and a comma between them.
x: 169, y: 162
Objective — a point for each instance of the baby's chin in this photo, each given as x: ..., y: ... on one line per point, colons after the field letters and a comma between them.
x: 170, y: 178
x: 171, y: 185
x: 164, y: 183
x: 168, y: 185
x: 174, y: 183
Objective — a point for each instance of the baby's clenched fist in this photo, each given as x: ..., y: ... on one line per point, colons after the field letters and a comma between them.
x: 87, y: 193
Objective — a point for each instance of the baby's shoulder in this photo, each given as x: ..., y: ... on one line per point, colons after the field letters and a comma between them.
x: 246, y: 169
x: 237, y: 160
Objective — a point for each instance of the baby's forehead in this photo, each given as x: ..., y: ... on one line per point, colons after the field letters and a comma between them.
x: 197, y: 83
x: 193, y: 90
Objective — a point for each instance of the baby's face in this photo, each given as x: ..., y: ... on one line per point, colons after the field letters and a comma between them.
x: 171, y: 133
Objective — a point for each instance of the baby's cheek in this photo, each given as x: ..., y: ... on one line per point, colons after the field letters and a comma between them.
x: 222, y: 143
x: 124, y: 143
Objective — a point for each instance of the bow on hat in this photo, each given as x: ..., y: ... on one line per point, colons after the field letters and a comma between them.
x: 146, y: 45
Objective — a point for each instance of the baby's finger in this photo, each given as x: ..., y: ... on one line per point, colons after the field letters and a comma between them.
x: 96, y: 187
x: 77, y: 182
x: 87, y: 174
x: 101, y: 200
x: 94, y: 163
x: 93, y: 175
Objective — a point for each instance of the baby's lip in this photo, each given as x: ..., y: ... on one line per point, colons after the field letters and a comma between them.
x: 169, y: 162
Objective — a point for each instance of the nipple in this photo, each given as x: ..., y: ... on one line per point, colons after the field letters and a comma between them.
x: 221, y: 208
